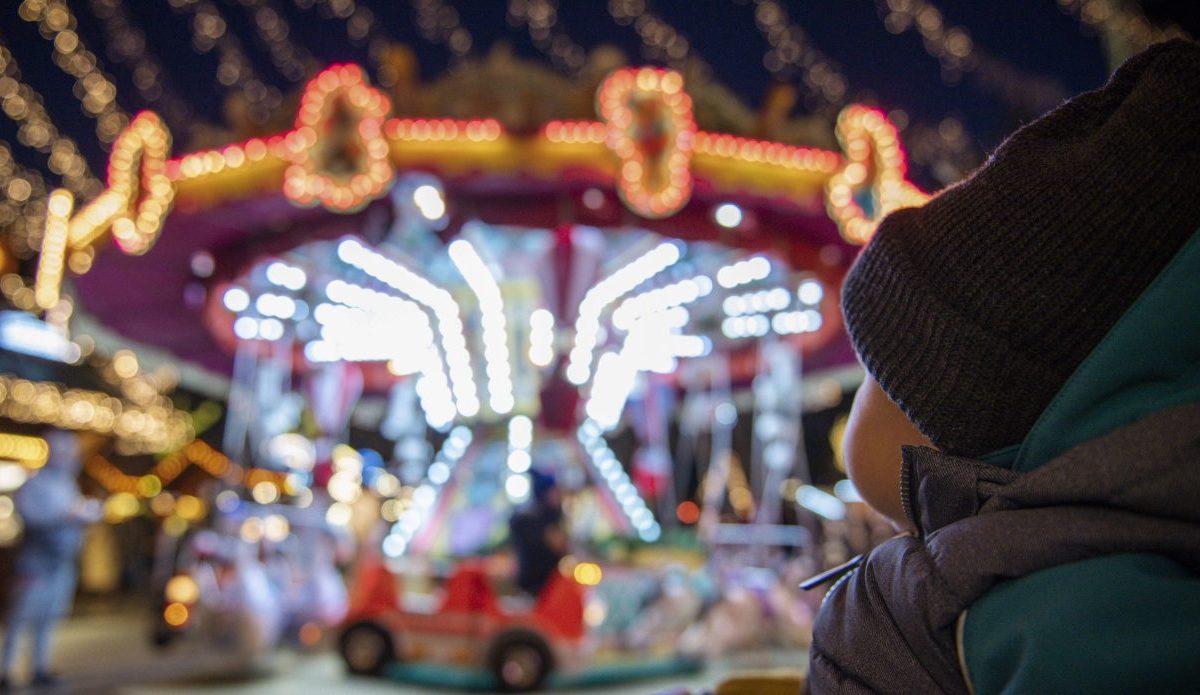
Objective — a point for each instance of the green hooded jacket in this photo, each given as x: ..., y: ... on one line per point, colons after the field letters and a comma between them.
x: 1118, y: 623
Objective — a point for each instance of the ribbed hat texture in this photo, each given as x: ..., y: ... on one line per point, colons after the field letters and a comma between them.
x: 973, y: 311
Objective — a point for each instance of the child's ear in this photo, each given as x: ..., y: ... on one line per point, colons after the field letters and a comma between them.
x: 876, y: 430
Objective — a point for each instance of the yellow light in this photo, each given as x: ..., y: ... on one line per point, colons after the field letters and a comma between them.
x: 175, y: 614
x: 54, y: 249
x: 125, y: 364
x: 308, y: 181
x: 120, y: 507
x: 190, y: 508
x: 344, y: 487
x: 871, y: 145
x: 158, y: 428
x: 837, y: 437
x: 12, y: 476
x: 30, y: 451
x: 276, y: 528
x: 149, y: 485
x: 252, y: 530
x: 345, y: 457
x: 588, y: 573
x: 265, y: 492
x: 651, y: 185
x: 182, y: 589
x: 390, y: 511
x: 162, y: 504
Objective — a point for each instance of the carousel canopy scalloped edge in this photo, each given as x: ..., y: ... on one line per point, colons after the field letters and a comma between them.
x: 646, y: 138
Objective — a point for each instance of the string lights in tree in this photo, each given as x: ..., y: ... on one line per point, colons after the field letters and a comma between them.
x: 959, y: 55
x: 36, y: 130
x: 792, y: 52
x: 540, y: 18
x: 439, y: 23
x: 1126, y: 29
x: 125, y: 43
x: 22, y: 206
x: 209, y: 31
x: 292, y: 61
x: 95, y: 91
x: 361, y: 27
x: 660, y: 41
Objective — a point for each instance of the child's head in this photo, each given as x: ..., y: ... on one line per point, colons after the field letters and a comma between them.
x: 971, y: 312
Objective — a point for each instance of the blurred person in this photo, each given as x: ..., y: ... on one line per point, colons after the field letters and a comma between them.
x: 1031, y: 412
x: 55, y: 516
x: 538, y: 533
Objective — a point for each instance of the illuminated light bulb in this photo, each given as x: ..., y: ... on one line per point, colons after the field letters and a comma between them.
x: 810, y: 292
x: 246, y: 328
x: 339, y: 514
x: 265, y: 492
x: 394, y: 545
x: 236, y: 299
x: 728, y: 215
x: 429, y: 202
x: 519, y: 461
x: 517, y: 487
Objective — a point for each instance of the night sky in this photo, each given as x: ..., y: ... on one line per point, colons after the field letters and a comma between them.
x: 894, y: 71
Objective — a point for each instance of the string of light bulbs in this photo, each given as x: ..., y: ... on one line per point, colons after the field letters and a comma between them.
x: 959, y: 55
x: 792, y: 52
x: 1123, y: 24
x: 95, y: 91
x: 23, y: 205
x: 24, y: 105
x: 292, y: 61
x: 439, y: 23
x: 660, y: 40
x: 234, y: 69
x: 540, y: 18
x: 125, y: 44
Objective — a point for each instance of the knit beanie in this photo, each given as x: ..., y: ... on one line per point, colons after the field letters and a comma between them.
x: 973, y: 311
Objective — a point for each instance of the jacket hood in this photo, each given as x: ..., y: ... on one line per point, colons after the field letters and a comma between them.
x: 1149, y: 361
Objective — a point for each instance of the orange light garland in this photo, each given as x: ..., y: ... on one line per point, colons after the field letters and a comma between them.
x: 138, y: 429
x: 652, y: 131
x: 197, y: 453
x: 139, y: 192
x: 766, y: 152
x: 422, y: 129
x: 48, y: 284
x: 308, y: 180
x: 647, y: 123
x: 871, y: 143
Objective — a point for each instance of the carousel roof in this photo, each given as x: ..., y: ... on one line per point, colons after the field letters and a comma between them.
x: 519, y: 112
x: 222, y: 73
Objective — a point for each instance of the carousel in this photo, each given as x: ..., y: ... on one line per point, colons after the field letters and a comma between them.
x: 412, y: 300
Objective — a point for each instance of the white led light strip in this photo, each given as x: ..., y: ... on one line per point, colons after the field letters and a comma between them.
x: 444, y: 308
x: 609, y: 470
x: 495, y: 335
x: 425, y: 497
x: 607, y: 291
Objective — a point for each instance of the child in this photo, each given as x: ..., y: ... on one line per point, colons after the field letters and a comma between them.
x: 1031, y: 412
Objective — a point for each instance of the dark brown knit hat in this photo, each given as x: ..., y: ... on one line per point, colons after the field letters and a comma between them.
x: 972, y: 311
